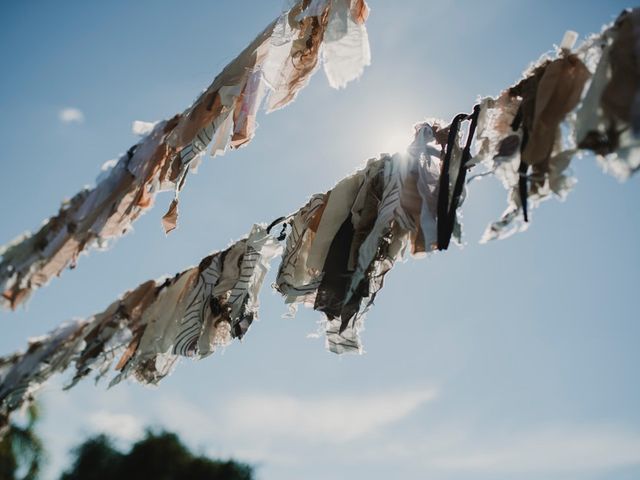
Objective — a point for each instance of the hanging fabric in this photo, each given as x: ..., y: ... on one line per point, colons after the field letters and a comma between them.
x: 276, y: 65
x: 608, y: 122
x: 340, y: 245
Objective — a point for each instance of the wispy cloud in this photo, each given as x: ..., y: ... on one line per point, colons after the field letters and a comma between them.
x: 138, y: 127
x: 286, y: 432
x: 555, y: 449
x: 333, y: 419
x: 121, y: 426
x: 283, y: 430
x: 71, y: 115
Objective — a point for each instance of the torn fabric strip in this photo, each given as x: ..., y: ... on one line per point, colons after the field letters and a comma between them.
x: 343, y: 242
x: 608, y: 122
x: 525, y: 136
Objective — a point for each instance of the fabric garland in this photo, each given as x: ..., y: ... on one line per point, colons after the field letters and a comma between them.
x: 273, y: 69
x: 337, y: 248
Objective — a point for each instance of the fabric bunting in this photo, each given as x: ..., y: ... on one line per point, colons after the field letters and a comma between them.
x: 337, y: 248
x: 273, y: 68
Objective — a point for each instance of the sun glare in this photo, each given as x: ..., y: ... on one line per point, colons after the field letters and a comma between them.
x: 394, y: 141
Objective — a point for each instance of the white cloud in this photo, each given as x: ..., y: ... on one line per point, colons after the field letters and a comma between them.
x: 118, y: 425
x: 333, y: 419
x: 558, y: 449
x: 142, y: 128
x: 553, y: 449
x: 71, y: 115
x: 283, y: 431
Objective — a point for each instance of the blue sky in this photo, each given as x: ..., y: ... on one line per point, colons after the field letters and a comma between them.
x: 516, y: 359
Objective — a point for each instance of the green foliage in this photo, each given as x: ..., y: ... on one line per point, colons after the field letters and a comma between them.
x: 21, y: 449
x: 161, y: 456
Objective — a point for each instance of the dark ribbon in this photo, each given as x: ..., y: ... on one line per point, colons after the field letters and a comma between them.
x: 446, y: 210
x: 523, y: 168
x: 283, y: 233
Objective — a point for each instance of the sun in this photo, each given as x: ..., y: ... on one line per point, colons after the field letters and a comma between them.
x: 394, y: 141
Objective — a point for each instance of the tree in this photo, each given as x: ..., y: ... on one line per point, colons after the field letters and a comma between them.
x: 21, y: 449
x: 161, y: 456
